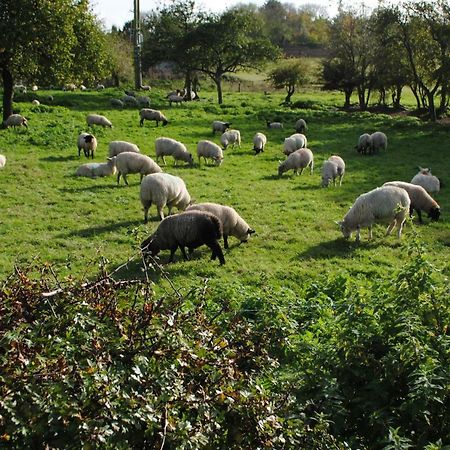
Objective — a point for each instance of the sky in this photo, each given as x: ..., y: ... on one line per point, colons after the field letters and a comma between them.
x: 117, y: 12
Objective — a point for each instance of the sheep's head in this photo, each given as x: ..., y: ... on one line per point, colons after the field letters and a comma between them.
x: 246, y: 234
x: 218, y: 160
x: 326, y: 181
x: 149, y: 247
x: 434, y: 213
x: 345, y: 229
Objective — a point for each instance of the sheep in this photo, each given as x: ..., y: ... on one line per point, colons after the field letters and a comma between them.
x: 297, y: 160
x: 379, y: 141
x: 274, y: 125
x: 294, y: 142
x: 146, y: 87
x: 34, y: 88
x: 175, y: 98
x: 233, y: 224
x: 420, y: 200
x: 300, y: 126
x: 35, y: 102
x: 97, y: 119
x: 232, y: 137
x: 218, y: 125
x: 165, y: 146
x: 69, y: 87
x: 143, y: 101
x: 259, y: 142
x: 117, y: 103
x: 15, y: 120
x: 209, y: 149
x: 131, y: 162
x: 129, y: 100
x: 130, y: 93
x: 88, y: 143
x: 152, y: 114
x: 364, y: 144
x: 163, y: 189
x: 49, y: 98
x: 117, y: 147
x: 93, y: 170
x: 20, y: 88
x: 385, y: 204
x: 189, y: 229
x: 333, y: 168
x: 100, y: 87
x: 83, y: 87
x: 2, y: 161
x: 428, y: 181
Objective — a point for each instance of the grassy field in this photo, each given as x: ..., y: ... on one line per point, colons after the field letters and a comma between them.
x: 50, y: 215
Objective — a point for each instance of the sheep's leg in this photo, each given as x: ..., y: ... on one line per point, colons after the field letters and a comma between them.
x: 225, y: 241
x: 391, y: 227
x: 311, y: 169
x: 400, y: 228
x: 216, y: 251
x: 183, y: 252
x: 370, y: 232
x: 172, y: 253
x: 340, y: 179
x: 161, y: 212
x: 118, y: 177
x: 358, y: 235
x: 146, y: 208
x: 124, y: 176
x: 301, y: 170
x: 419, y: 215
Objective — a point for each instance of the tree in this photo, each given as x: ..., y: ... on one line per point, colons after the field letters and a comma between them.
x: 338, y: 76
x: 289, y: 76
x: 48, y: 42
x: 120, y: 63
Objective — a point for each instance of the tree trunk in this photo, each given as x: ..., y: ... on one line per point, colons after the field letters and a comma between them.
x: 7, y: 92
x: 188, y: 86
x: 290, y: 93
x: 361, y: 98
x: 218, y: 81
x: 115, y: 79
x: 431, y: 107
x: 348, y: 95
x: 416, y: 95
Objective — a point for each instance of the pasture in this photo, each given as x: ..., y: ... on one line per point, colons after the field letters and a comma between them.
x: 50, y: 215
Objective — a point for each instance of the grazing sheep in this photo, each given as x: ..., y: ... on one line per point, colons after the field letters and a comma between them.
x: 129, y: 100
x: 386, y: 204
x: 117, y: 147
x: 117, y: 103
x: 165, y: 146
x: 218, y: 125
x: 297, y: 160
x: 146, y: 87
x: 428, y: 181
x: 93, y: 170
x: 15, y: 120
x: 300, y: 126
x: 175, y: 98
x: 2, y: 161
x: 83, y: 87
x: 163, y: 189
x: 88, y: 143
x: 20, y: 88
x: 131, y: 162
x: 420, y: 200
x: 100, y: 87
x: 333, y: 168
x: 378, y: 141
x: 259, y: 142
x: 69, y: 87
x: 35, y: 102
x: 231, y: 137
x: 143, y: 101
x: 97, y: 119
x: 189, y: 229
x: 49, y: 98
x: 294, y: 142
x: 274, y: 125
x: 152, y: 114
x: 209, y: 149
x: 364, y: 144
x: 233, y: 224
x: 34, y: 88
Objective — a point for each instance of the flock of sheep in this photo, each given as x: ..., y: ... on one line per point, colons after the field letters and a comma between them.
x: 206, y: 223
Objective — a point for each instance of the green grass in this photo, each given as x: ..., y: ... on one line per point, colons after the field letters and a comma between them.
x: 74, y: 223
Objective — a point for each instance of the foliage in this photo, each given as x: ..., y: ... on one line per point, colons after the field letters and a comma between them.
x: 120, y: 60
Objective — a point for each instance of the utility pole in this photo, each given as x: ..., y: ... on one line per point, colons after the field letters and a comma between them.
x: 137, y: 46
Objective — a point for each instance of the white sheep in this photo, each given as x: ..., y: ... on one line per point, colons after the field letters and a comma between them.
x: 364, y: 144
x: 35, y: 102
x: 163, y: 189
x: 97, y: 119
x: 34, y: 88
x: 69, y: 87
x: 420, y: 199
x: 386, y: 204
x: 129, y: 100
x: 333, y: 167
x: 379, y: 141
x: 175, y: 98
x: 83, y: 87
x: 117, y: 147
x: 294, y: 142
x: 2, y: 161
x: 259, y: 142
x: 20, y: 88
x: 208, y: 149
x: 88, y: 143
x: 274, y: 125
x: 298, y: 160
x: 165, y: 146
x: 219, y: 125
x: 428, y: 181
x: 230, y: 137
x: 131, y: 162
x: 146, y: 87
x: 232, y: 223
x: 300, y: 126
x: 93, y: 170
x: 100, y: 87
x: 15, y: 120
x: 152, y: 114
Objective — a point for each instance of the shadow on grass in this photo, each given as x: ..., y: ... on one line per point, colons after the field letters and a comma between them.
x: 61, y: 158
x: 336, y: 248
x: 95, y: 187
x: 93, y: 231
x: 271, y: 177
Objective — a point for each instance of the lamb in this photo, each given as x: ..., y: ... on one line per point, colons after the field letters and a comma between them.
x: 274, y: 125
x: 152, y: 114
x: 165, y: 146
x: 117, y: 103
x: 233, y: 224
x: 2, y: 161
x: 88, y: 143
x: 333, y: 168
x: 117, y: 147
x: 35, y: 102
x: 428, y: 181
x: 15, y: 120
x: 209, y: 149
x: 34, y: 88
x: 364, y: 144
x: 189, y: 229
x: 97, y: 119
x: 93, y: 170
x: 175, y: 98
x: 420, y: 200
x: 300, y: 126
x: 218, y: 125
x: 297, y: 160
x: 259, y: 142
x: 379, y: 141
x: 294, y: 142
x: 386, y: 204
x: 232, y: 137
x: 131, y: 162
x: 163, y: 189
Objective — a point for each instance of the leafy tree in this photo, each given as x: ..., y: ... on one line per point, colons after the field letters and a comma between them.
x: 338, y: 76
x: 120, y: 64
x: 48, y: 42
x: 289, y: 76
